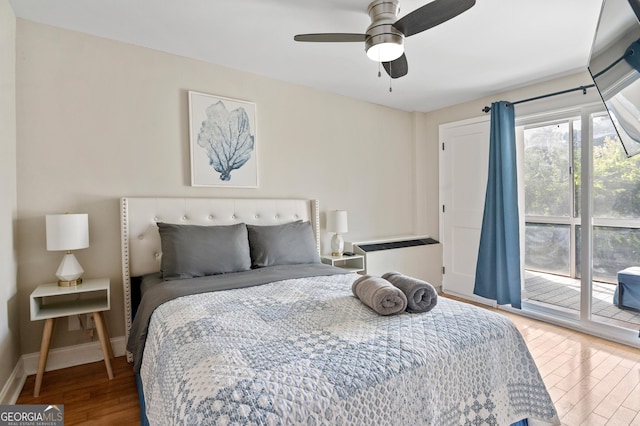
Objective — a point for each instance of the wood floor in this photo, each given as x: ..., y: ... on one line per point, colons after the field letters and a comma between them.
x: 89, y: 397
x: 592, y: 381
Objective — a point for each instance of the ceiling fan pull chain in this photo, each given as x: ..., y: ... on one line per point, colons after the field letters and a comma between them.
x: 379, y: 73
x: 390, y: 80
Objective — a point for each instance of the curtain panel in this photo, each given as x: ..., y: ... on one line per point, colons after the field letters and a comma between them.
x: 498, y: 274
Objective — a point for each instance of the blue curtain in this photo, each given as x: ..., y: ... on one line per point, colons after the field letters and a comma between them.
x: 498, y: 268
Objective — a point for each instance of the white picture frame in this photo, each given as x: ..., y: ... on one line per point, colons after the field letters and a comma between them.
x: 223, y: 141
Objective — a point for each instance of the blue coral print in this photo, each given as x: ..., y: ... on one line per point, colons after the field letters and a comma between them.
x: 227, y: 138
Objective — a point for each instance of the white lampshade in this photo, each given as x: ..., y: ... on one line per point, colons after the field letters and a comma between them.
x: 337, y: 221
x: 68, y: 232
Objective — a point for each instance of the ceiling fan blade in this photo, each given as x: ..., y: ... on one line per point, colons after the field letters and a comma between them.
x: 331, y: 37
x: 397, y: 68
x: 430, y: 15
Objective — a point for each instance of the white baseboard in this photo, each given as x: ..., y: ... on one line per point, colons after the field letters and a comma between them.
x: 14, y: 384
x: 58, y: 358
x: 70, y: 356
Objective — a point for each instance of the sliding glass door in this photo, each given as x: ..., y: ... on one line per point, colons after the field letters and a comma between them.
x: 561, y: 154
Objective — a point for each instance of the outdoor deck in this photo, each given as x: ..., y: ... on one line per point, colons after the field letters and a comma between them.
x: 565, y: 293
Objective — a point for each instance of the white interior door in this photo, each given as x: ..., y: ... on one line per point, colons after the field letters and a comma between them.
x: 464, y: 162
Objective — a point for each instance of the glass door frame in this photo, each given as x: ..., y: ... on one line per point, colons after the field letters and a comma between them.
x: 586, y: 216
x: 570, y: 220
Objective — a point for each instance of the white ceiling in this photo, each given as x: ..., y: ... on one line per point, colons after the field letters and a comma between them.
x: 495, y: 46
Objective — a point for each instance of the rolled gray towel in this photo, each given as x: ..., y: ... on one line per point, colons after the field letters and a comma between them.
x: 421, y: 296
x: 380, y: 295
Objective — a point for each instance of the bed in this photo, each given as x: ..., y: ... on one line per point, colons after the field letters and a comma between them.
x: 283, y: 341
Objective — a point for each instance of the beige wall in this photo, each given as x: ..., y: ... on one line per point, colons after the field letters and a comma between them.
x: 99, y: 119
x: 9, y: 323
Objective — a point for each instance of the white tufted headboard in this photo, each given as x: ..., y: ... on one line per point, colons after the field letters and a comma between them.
x: 140, y: 239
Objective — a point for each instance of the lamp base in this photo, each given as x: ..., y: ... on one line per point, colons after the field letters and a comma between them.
x: 69, y: 272
x: 69, y: 283
x: 337, y: 245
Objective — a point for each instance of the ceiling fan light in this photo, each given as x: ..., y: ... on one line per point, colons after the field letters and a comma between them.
x: 384, y: 43
x: 385, y: 52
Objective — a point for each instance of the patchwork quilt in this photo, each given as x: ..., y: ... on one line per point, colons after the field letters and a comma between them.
x: 306, y: 352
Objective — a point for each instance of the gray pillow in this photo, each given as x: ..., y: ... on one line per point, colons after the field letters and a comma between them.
x: 288, y: 244
x: 194, y: 251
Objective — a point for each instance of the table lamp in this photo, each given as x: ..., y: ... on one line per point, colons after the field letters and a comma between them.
x: 66, y: 232
x: 337, y: 222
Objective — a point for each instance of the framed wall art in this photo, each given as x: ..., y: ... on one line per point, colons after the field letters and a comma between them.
x: 223, y: 141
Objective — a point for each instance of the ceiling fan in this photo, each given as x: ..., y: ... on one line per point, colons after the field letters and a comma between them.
x: 384, y: 38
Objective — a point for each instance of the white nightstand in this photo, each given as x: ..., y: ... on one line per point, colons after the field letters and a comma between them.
x: 50, y: 301
x: 353, y: 263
